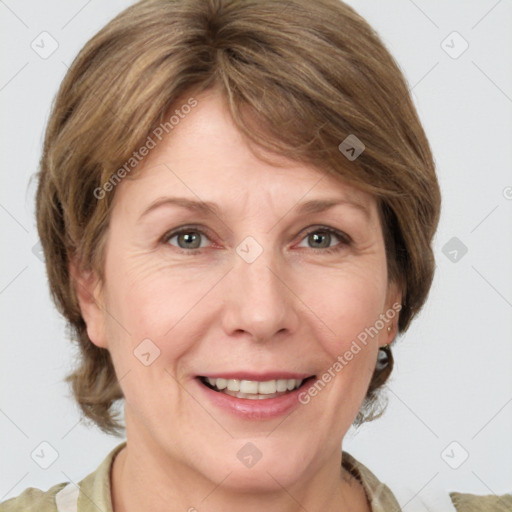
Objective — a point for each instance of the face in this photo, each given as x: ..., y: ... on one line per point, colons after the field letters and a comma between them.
x: 262, y: 286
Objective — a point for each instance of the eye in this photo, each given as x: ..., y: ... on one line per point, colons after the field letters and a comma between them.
x: 321, y: 238
x: 188, y: 238
x: 191, y: 239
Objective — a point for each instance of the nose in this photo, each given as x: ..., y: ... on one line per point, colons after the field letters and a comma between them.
x: 259, y: 299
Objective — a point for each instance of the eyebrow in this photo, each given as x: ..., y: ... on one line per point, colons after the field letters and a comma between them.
x: 203, y: 207
x: 321, y: 205
x: 208, y: 208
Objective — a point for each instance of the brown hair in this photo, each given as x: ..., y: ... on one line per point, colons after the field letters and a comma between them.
x: 299, y: 77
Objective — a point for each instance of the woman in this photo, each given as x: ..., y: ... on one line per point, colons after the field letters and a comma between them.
x: 236, y: 204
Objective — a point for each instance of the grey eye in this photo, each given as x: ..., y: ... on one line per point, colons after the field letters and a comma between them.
x: 190, y: 239
x: 320, y: 241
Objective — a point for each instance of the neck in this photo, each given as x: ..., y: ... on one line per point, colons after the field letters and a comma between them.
x: 145, y: 478
x: 131, y: 480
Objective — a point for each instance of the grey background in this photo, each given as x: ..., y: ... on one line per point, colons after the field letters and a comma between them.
x: 451, y: 390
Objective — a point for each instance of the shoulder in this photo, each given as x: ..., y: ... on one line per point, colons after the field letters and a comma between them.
x: 68, y: 496
x: 33, y: 499
x: 382, y: 498
x: 379, y: 494
x: 464, y: 502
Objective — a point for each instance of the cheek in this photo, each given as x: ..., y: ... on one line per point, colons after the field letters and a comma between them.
x: 351, y: 311
x: 147, y: 314
x: 150, y: 299
x: 346, y: 303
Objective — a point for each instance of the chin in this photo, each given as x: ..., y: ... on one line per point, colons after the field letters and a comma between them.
x: 268, y: 468
x: 264, y: 477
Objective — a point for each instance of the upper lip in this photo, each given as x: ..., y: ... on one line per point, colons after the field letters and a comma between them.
x: 260, y: 376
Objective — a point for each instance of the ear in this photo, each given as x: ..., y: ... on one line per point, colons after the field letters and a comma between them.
x: 89, y: 292
x: 392, y: 311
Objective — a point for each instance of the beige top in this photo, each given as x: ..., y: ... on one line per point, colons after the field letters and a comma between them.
x: 93, y: 493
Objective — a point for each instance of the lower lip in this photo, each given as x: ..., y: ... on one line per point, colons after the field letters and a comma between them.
x: 259, y: 409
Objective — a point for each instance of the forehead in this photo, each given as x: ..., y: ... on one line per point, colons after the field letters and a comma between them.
x: 205, y: 157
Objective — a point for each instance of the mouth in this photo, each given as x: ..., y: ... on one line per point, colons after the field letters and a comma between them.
x: 254, y: 389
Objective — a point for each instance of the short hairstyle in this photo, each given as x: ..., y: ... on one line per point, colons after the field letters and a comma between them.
x: 299, y: 78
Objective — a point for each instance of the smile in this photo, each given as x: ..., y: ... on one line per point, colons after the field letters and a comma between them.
x: 253, y: 389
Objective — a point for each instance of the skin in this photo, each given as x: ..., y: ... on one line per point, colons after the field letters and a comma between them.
x: 295, y: 308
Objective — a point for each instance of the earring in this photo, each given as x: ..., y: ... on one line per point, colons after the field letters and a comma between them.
x: 383, y: 357
x: 389, y: 328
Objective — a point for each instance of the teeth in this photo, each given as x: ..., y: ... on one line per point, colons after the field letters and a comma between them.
x: 221, y: 383
x: 232, y: 384
x: 254, y: 389
x: 249, y: 386
x: 268, y: 387
x: 282, y: 385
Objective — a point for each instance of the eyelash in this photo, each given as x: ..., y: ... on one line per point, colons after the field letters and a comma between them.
x: 344, y: 239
